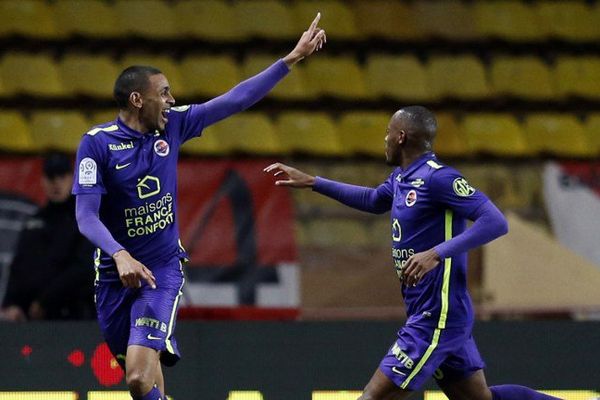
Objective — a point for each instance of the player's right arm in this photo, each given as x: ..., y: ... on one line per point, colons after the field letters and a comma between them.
x: 87, y: 208
x: 376, y: 201
x: 88, y: 187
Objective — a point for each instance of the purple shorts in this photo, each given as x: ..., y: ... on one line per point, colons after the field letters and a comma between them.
x: 421, y: 352
x: 143, y: 316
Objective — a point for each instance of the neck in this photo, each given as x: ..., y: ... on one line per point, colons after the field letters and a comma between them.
x: 132, y: 121
x: 410, y: 155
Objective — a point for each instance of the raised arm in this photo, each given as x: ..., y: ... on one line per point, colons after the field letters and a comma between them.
x: 255, y: 88
x: 376, y: 201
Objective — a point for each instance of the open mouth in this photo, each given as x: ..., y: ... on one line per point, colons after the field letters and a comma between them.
x: 165, y: 115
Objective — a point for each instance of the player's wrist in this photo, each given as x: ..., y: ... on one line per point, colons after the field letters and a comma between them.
x: 292, y: 58
x: 120, y: 254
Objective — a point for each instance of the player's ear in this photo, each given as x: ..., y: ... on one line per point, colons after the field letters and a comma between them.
x: 402, y: 137
x: 135, y: 99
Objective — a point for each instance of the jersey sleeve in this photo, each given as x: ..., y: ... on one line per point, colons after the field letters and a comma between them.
x: 187, y: 122
x: 89, y: 167
x: 450, y: 189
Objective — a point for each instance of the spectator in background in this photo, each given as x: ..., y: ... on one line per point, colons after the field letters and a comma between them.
x: 51, y: 276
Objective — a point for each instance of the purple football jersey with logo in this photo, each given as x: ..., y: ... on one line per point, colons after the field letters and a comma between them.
x: 137, y: 175
x: 430, y: 203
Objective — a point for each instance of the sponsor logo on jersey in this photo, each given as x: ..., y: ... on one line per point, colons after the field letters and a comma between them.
x: 88, y: 172
x: 121, y: 166
x: 161, y: 147
x: 418, y: 182
x: 396, y: 230
x: 462, y: 188
x: 148, y: 186
x: 121, y: 146
x: 411, y: 198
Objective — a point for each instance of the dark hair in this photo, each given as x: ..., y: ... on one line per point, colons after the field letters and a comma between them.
x: 132, y: 79
x: 57, y: 163
x: 422, y: 123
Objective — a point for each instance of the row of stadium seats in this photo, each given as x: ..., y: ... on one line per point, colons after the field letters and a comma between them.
x: 401, y: 77
x: 318, y: 133
x: 224, y: 20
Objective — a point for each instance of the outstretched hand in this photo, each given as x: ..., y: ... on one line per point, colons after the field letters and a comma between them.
x: 292, y: 177
x: 312, y: 39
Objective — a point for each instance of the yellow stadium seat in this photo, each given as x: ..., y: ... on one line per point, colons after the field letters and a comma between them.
x: 207, y: 19
x: 339, y: 77
x: 269, y: 19
x: 578, y: 76
x: 449, y: 19
x: 165, y: 64
x: 379, y: 19
x: 90, y: 18
x: 558, y: 135
x: 308, y: 133
x: 397, y: 77
x: 30, y: 18
x: 364, y: 132
x: 15, y: 134
x: 573, y: 20
x: 525, y: 77
x: 209, y: 75
x: 458, y: 77
x: 248, y: 133
x: 510, y: 20
x: 205, y: 145
x: 592, y: 131
x: 495, y: 134
x: 152, y: 19
x: 35, y: 75
x: 449, y: 141
x: 100, y: 117
x: 292, y: 87
x: 336, y: 17
x: 88, y: 75
x: 59, y: 130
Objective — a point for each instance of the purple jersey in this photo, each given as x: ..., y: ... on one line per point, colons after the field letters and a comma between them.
x: 136, y: 173
x: 430, y: 203
x: 137, y: 176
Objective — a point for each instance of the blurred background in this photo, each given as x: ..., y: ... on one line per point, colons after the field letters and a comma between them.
x: 515, y: 85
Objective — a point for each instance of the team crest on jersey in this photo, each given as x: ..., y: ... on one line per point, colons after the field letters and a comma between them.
x: 161, y: 147
x: 411, y: 198
x: 462, y: 188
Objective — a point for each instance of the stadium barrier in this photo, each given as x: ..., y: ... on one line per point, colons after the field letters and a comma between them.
x: 291, y: 360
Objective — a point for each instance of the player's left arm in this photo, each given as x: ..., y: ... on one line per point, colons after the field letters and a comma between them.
x: 255, y: 88
x: 453, y: 191
x: 191, y: 120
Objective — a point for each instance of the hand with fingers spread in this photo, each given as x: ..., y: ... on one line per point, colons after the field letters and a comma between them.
x: 312, y: 39
x: 290, y: 176
x: 131, y: 271
x: 418, y: 265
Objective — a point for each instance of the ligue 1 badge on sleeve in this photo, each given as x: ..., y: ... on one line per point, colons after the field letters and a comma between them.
x: 161, y: 147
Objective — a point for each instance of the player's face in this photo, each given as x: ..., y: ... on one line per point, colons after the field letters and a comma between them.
x: 393, y: 152
x: 156, y: 103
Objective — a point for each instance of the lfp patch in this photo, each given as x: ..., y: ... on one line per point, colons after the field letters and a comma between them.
x: 161, y: 147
